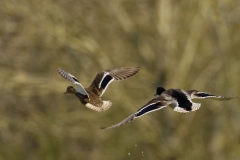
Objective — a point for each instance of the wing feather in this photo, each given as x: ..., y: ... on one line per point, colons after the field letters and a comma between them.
x: 205, y: 95
x: 151, y: 106
x: 104, y: 78
x: 71, y: 78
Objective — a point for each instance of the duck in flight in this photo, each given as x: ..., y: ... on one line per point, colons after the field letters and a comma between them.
x: 178, y: 99
x: 91, y: 96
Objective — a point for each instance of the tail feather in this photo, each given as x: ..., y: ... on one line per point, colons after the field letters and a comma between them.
x: 196, y: 106
x: 105, y: 106
x: 180, y: 110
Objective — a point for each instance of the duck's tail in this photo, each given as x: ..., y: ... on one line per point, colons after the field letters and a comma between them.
x: 105, y: 106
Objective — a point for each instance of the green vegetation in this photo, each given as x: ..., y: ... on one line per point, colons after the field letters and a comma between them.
x: 178, y: 44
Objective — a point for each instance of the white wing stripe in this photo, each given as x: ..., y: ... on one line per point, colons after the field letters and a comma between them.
x: 148, y: 111
x: 100, y: 84
x: 105, y: 74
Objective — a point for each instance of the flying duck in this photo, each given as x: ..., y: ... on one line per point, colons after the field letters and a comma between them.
x: 91, y: 96
x: 178, y: 99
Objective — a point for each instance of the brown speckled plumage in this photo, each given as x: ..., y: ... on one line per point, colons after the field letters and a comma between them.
x: 91, y: 96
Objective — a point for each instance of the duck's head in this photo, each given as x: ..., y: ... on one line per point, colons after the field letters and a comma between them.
x: 70, y: 89
x: 159, y: 91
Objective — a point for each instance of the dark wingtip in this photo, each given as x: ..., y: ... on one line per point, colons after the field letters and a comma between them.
x: 137, y: 69
x: 234, y: 97
x: 102, y: 127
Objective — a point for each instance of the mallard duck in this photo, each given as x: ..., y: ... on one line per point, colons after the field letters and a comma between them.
x: 91, y: 96
x: 178, y: 99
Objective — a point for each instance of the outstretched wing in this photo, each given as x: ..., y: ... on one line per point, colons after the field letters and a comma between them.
x: 71, y: 78
x: 204, y: 95
x: 104, y: 78
x: 153, y: 105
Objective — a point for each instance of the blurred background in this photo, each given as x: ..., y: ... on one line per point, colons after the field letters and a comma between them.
x: 177, y: 43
